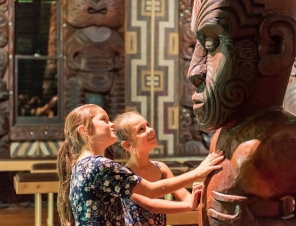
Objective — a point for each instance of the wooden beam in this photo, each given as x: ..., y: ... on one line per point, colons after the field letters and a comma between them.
x: 21, y: 165
x: 35, y: 187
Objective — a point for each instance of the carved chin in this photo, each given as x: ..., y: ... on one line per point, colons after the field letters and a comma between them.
x: 206, y: 123
x: 209, y: 113
x: 217, y: 110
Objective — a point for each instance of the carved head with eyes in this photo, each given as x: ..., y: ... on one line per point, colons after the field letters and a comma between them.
x: 242, y: 60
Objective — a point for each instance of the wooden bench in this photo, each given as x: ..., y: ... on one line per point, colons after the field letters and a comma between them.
x: 186, y: 218
x: 24, y: 164
x: 38, y: 184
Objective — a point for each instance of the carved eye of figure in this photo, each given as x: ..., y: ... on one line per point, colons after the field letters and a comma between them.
x: 200, y: 37
x: 211, y: 44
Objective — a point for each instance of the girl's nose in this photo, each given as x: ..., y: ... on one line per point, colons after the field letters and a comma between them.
x: 150, y: 130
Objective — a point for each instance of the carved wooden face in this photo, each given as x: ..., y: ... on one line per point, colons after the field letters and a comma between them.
x: 109, y: 13
x: 224, y: 64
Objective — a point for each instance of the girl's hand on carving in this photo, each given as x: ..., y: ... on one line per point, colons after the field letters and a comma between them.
x: 197, y: 189
x: 210, y: 163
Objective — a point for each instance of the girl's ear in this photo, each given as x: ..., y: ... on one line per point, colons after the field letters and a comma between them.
x: 82, y: 130
x: 125, y: 144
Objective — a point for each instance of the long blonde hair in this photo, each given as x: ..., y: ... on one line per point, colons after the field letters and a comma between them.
x: 69, y: 152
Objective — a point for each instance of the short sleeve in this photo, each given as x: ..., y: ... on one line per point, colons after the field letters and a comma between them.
x: 113, y: 178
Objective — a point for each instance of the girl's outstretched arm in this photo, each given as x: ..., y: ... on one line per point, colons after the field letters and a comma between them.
x: 166, y: 206
x: 166, y: 186
x: 180, y: 195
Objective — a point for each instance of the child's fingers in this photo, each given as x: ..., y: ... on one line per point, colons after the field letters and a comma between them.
x: 197, y: 192
x: 217, y: 159
x: 215, y: 154
x: 197, y: 186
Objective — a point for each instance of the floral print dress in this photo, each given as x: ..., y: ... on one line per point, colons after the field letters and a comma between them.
x: 136, y: 215
x: 97, y: 185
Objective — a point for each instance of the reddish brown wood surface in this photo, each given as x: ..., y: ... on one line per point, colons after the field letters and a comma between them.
x: 240, y: 67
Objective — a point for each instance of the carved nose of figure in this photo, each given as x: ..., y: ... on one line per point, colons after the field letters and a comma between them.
x: 198, y: 75
x: 197, y: 69
x: 199, y: 50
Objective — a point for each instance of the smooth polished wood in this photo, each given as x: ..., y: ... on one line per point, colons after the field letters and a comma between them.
x: 186, y: 218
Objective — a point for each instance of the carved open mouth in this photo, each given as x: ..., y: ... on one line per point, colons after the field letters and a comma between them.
x: 100, y: 11
x: 198, y: 100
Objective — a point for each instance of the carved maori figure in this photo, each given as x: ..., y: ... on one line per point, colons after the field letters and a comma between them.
x: 241, y: 67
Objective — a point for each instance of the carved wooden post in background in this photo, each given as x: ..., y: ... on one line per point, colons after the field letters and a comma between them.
x: 4, y: 121
x: 94, y: 49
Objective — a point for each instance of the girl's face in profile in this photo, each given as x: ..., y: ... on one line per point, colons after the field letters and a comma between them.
x: 104, y: 129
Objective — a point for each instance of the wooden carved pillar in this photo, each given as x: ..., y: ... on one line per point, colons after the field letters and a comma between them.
x: 241, y: 68
x: 4, y: 121
x: 94, y: 50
